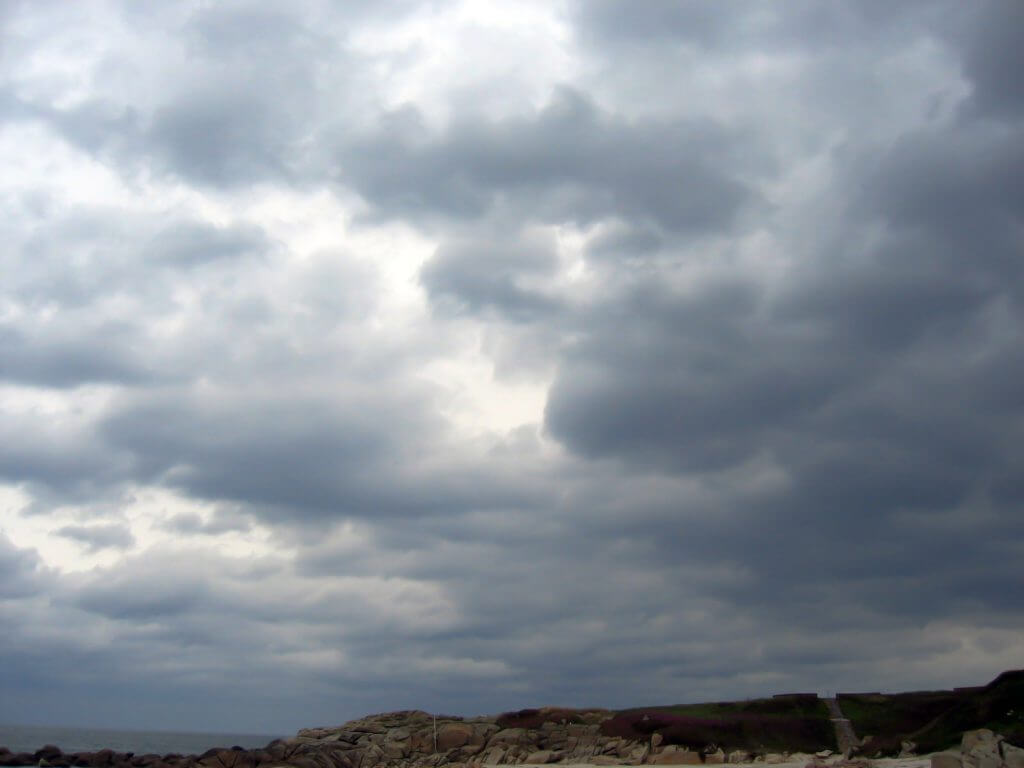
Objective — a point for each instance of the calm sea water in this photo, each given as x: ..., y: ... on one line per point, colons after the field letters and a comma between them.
x: 29, y: 738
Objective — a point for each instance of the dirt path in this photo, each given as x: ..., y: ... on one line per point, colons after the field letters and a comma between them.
x: 845, y: 737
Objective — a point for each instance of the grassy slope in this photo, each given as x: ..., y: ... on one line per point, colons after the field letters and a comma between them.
x: 794, y: 724
x: 935, y: 720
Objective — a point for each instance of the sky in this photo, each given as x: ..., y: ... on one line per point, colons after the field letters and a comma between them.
x: 469, y: 356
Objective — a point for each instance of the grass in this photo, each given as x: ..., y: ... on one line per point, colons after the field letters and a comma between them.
x: 936, y: 720
x: 799, y: 724
x: 532, y: 719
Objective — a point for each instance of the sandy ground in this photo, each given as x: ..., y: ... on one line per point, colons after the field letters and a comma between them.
x: 797, y: 761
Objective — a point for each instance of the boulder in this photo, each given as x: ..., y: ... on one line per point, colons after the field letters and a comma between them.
x: 395, y: 750
x: 493, y: 756
x: 676, y: 757
x: 946, y: 760
x: 1013, y: 757
x: 656, y: 739
x: 739, y: 756
x: 980, y: 749
x: 638, y: 754
x: 102, y: 758
x: 774, y: 758
x: 715, y: 758
x: 367, y: 727
x: 47, y: 752
x: 540, y: 757
x: 452, y: 735
x: 823, y: 753
x: 508, y: 736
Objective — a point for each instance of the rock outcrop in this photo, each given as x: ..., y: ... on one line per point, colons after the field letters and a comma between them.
x: 414, y: 739
x: 981, y: 748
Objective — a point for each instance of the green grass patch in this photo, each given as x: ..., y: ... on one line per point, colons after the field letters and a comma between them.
x: 796, y: 724
x: 936, y: 720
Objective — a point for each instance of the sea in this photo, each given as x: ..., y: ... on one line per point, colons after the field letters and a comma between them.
x: 29, y: 738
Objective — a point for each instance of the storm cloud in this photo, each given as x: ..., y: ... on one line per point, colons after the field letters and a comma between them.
x: 470, y: 357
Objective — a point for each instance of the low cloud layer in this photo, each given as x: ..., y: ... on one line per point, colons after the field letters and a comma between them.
x: 471, y: 357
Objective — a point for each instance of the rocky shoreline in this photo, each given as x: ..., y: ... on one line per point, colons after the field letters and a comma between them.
x: 414, y: 739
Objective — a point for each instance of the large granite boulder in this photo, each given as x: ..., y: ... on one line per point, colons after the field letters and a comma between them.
x: 980, y: 749
x: 946, y: 760
x: 673, y: 755
x: 452, y: 735
x: 1013, y: 757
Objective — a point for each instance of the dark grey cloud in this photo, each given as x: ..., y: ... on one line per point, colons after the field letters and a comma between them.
x: 493, y: 274
x: 193, y: 243
x: 992, y: 59
x: 191, y: 522
x: 773, y: 310
x: 804, y: 25
x: 99, y: 537
x: 570, y: 161
x: 21, y: 572
x: 66, y: 362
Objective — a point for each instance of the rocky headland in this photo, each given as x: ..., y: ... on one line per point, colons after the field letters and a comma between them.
x: 797, y: 730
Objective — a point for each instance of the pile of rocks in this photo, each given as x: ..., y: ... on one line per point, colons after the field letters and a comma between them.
x: 418, y: 740
x: 981, y: 749
x: 414, y: 739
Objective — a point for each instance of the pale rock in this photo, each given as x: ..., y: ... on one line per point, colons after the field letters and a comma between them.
x: 1013, y: 757
x: 471, y: 749
x: 656, y: 739
x: 739, y: 756
x: 907, y: 748
x: 774, y: 758
x: 946, y: 760
x: 493, y: 756
x: 823, y: 753
x: 540, y: 757
x: 452, y: 735
x: 676, y: 757
x: 395, y: 750
x: 638, y: 752
x: 368, y: 728
x: 508, y: 736
x: 715, y: 758
x: 611, y: 747
x: 483, y: 731
x: 980, y: 749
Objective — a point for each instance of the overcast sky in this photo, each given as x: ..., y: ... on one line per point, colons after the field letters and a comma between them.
x: 468, y: 356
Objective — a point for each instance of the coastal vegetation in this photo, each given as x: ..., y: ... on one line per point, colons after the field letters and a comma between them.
x: 798, y: 723
x: 935, y: 720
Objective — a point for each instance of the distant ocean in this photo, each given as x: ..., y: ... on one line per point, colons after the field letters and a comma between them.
x: 29, y: 738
